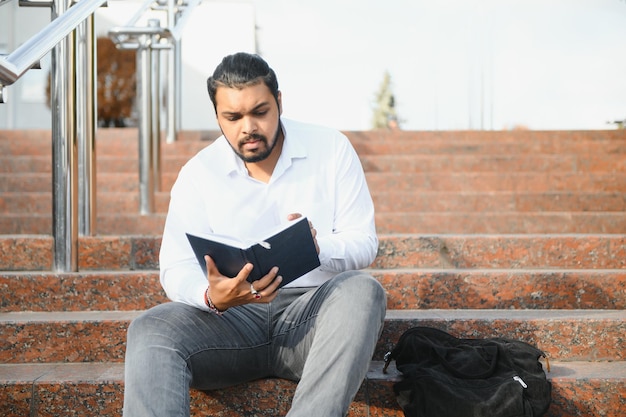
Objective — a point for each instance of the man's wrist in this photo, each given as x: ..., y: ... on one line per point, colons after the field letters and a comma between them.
x: 209, y: 303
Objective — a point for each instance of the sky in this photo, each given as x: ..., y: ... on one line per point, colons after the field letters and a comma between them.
x: 454, y: 64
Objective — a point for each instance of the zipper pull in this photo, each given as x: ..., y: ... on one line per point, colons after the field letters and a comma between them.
x: 521, y: 381
x: 387, y: 359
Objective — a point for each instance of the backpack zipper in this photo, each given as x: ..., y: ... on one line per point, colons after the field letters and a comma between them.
x: 521, y: 381
x: 387, y: 359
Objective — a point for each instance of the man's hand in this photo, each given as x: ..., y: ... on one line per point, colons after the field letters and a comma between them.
x: 228, y: 292
x: 294, y: 216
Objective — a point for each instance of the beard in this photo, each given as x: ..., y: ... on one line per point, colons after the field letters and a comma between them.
x: 263, y: 152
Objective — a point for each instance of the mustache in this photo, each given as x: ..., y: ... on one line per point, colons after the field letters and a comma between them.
x: 253, y: 138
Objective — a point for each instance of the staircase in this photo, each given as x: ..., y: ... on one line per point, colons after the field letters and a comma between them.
x: 517, y: 234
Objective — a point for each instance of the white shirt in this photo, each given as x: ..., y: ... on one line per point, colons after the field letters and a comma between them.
x: 318, y: 174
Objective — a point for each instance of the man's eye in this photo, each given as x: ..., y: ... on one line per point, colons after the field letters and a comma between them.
x: 261, y: 113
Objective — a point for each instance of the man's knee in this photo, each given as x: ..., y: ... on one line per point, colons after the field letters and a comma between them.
x: 359, y: 294
x: 154, y: 327
x: 361, y: 284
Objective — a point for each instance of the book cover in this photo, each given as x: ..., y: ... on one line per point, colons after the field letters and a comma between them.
x: 290, y: 248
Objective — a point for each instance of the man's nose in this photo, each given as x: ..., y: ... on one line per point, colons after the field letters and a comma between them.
x: 249, y: 126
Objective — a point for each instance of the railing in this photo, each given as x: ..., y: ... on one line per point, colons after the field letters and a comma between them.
x: 158, y: 36
x: 70, y: 37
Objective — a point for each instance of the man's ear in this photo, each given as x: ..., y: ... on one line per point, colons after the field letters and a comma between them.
x: 279, y: 101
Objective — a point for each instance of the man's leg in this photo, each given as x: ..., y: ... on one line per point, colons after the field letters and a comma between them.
x: 173, y: 347
x: 326, y: 339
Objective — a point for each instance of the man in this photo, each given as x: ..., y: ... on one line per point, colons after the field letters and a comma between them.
x: 219, y: 331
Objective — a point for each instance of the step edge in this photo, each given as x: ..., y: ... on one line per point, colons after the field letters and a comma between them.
x: 113, y: 372
x: 94, y: 273
x: 392, y: 314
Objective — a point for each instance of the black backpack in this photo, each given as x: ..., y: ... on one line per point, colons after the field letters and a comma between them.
x: 443, y: 376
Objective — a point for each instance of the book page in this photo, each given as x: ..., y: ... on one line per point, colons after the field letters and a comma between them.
x: 244, y: 243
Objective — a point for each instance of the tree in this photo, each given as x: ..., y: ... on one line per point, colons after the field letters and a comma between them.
x: 116, y: 84
x: 385, y: 115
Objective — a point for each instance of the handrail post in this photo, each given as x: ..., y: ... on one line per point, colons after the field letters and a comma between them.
x: 155, y: 110
x: 144, y: 97
x: 173, y: 91
x: 148, y: 42
x: 64, y: 150
x: 86, y: 116
x: 173, y: 84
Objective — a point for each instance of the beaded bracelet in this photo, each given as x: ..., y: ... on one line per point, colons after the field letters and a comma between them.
x: 209, y: 303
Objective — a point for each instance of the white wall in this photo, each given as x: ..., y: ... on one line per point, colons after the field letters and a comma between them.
x: 26, y: 105
x: 213, y: 30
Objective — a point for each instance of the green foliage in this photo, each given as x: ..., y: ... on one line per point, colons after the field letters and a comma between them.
x: 385, y: 115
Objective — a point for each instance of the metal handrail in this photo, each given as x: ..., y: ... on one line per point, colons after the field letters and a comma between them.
x: 70, y: 37
x: 149, y: 40
x: 177, y: 11
x: 18, y: 62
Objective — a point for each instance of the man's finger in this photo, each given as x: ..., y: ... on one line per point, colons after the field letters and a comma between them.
x: 242, y: 276
x: 293, y: 216
x: 211, y: 268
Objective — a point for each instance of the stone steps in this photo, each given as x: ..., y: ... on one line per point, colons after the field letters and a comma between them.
x: 125, y: 142
x: 540, y: 251
x: 501, y: 222
x: 516, y: 234
x: 99, y: 336
x: 409, y: 288
x: 379, y: 182
x: 172, y: 161
x: 82, y: 388
x: 40, y: 202
x: 397, y: 222
x: 499, y: 201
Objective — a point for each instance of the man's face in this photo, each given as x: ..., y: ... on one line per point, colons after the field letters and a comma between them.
x: 249, y: 119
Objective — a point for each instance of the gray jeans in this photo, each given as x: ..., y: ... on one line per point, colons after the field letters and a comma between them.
x: 322, y: 337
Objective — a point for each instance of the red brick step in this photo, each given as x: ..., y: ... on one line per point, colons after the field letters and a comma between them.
x: 517, y: 251
x: 173, y: 159
x: 406, y: 289
x: 464, y: 162
x: 100, y: 336
x: 398, y: 222
x: 579, y: 389
x: 498, y: 201
x: 385, y: 202
x: 484, y: 182
x: 500, y: 222
x: 516, y: 234
x: 380, y: 182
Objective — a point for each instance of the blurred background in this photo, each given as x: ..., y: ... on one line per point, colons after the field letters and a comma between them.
x: 423, y: 65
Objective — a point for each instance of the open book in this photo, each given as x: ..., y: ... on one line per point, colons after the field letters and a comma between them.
x: 290, y: 248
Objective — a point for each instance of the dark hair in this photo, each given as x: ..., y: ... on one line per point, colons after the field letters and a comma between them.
x: 240, y: 70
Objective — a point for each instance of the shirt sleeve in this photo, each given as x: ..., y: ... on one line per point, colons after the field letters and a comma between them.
x: 181, y: 276
x: 353, y: 243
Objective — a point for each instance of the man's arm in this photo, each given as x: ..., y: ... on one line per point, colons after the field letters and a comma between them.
x: 181, y: 276
x: 353, y: 243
